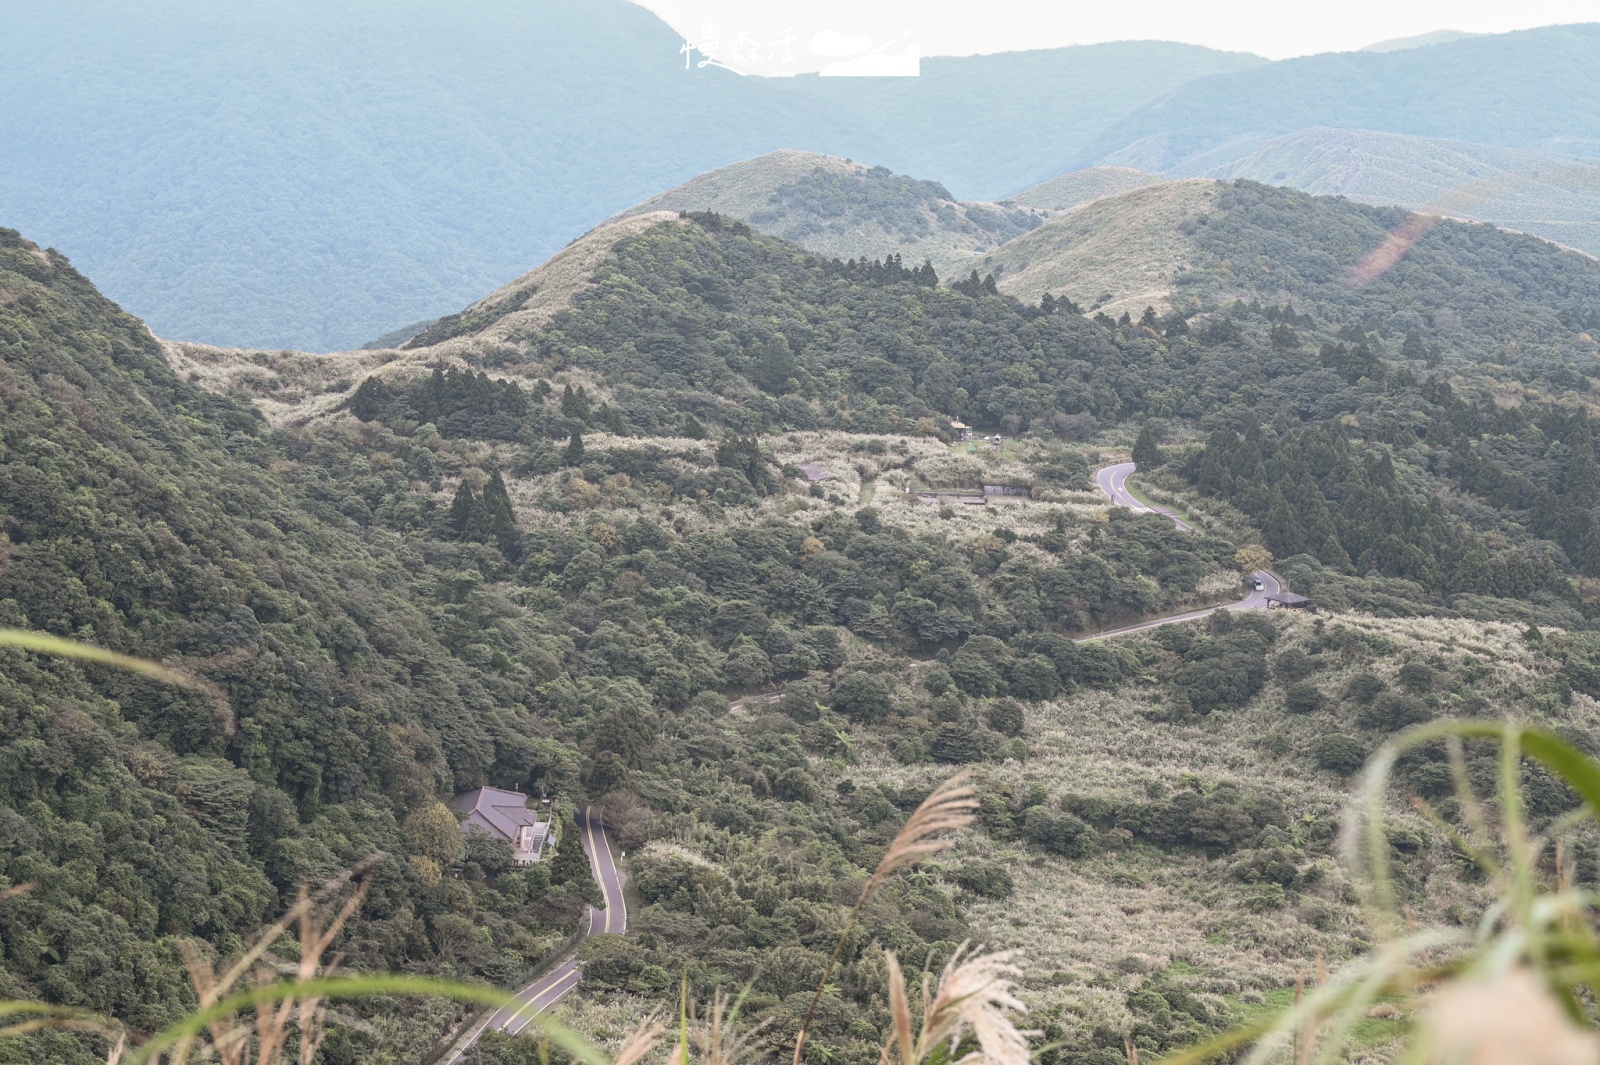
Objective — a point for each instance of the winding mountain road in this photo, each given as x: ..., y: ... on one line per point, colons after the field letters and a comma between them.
x: 552, y: 986
x: 1113, y: 482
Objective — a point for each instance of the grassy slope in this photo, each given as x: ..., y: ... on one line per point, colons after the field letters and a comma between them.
x: 1127, y: 245
x: 1082, y: 187
x: 289, y: 386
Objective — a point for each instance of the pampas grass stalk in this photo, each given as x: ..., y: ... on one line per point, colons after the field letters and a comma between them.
x: 951, y: 806
x: 974, y: 998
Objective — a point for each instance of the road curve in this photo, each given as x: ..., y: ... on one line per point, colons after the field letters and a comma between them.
x: 549, y: 988
x: 1113, y: 482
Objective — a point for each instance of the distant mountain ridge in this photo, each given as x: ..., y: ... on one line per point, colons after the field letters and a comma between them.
x: 1535, y: 89
x: 1551, y: 196
x: 289, y: 174
x: 1420, y: 40
x: 296, y: 174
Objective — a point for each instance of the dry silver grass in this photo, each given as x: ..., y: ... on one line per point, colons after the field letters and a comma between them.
x: 641, y: 1041
x: 974, y: 998
x: 264, y: 1042
x: 952, y: 805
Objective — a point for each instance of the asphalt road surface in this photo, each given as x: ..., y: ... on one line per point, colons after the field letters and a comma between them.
x: 1113, y: 482
x: 548, y: 989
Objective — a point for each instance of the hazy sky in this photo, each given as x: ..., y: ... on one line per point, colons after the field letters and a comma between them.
x: 1273, y: 28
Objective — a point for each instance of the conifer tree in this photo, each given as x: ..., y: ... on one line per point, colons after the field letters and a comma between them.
x: 459, y: 520
x: 774, y: 366
x: 497, y: 519
x: 370, y: 399
x: 571, y: 865
x: 1146, y: 452
x: 573, y: 455
x: 575, y: 403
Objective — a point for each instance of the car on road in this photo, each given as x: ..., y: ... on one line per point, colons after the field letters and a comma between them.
x: 1258, y: 585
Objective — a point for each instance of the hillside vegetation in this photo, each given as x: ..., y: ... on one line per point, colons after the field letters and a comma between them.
x: 845, y: 210
x: 1548, y: 195
x: 1119, y: 253
x: 560, y: 544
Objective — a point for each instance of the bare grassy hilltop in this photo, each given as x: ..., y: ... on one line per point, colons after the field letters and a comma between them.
x: 1118, y: 253
x: 1083, y: 186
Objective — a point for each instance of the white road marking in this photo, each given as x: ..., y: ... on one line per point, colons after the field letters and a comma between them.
x: 1113, y: 483
x: 549, y: 989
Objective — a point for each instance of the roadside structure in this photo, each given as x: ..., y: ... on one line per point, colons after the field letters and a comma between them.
x: 506, y: 815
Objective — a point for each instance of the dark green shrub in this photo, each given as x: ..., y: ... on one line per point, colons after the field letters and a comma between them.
x: 862, y: 697
x: 1220, y: 674
x: 1034, y: 678
x: 1098, y: 811
x: 1292, y: 665
x: 1363, y: 688
x: 1339, y: 754
x: 1060, y: 833
x: 1431, y: 780
x: 1302, y: 697
x: 1269, y: 865
x: 1005, y: 717
x: 989, y: 879
x: 1391, y: 712
x: 1416, y: 677
x: 800, y: 701
x: 975, y: 668
x: 955, y: 743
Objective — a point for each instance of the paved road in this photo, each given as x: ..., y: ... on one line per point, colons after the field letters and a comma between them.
x: 1113, y: 481
x: 548, y: 989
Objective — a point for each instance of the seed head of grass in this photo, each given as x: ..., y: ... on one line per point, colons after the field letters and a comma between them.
x: 974, y: 997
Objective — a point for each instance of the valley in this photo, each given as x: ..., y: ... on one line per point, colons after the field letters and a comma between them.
x: 744, y: 544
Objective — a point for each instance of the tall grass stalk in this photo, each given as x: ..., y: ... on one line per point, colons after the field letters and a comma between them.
x: 1516, y: 987
x: 952, y: 805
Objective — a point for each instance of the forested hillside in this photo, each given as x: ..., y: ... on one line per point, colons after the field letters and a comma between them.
x: 836, y: 208
x: 564, y: 557
x: 148, y: 516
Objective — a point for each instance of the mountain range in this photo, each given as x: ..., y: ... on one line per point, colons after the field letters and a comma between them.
x: 299, y: 175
